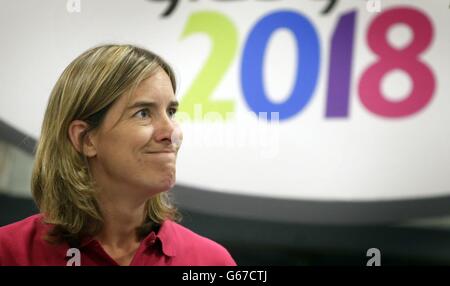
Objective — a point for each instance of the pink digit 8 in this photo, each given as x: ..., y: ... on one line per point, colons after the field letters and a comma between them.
x: 406, y: 59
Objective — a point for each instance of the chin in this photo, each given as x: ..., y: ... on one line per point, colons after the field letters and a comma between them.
x: 163, y: 186
x: 158, y: 181
x: 169, y: 180
x: 169, y: 184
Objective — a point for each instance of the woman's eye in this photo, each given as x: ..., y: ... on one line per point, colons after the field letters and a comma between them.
x: 172, y: 112
x: 143, y: 113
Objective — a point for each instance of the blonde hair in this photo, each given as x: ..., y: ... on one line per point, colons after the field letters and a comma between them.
x: 62, y: 185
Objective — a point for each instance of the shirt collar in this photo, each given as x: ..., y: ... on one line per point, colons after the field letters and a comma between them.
x: 166, y: 236
x: 86, y: 241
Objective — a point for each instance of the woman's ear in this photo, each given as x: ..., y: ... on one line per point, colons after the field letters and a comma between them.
x: 77, y: 129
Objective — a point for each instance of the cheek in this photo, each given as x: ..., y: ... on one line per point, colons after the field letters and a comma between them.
x: 127, y: 144
x: 141, y: 136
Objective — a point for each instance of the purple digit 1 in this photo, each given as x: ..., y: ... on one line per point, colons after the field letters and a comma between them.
x: 340, y: 72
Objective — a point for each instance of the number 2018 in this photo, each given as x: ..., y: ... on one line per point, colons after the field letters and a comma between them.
x: 223, y: 35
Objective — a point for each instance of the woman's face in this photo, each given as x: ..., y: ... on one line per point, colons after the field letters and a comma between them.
x: 137, y: 143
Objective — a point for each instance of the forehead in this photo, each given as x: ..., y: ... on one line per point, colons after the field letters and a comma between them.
x: 157, y: 87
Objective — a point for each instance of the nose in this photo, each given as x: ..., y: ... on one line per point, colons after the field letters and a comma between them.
x: 167, y: 131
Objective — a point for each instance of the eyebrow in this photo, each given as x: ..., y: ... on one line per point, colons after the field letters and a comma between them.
x: 151, y: 104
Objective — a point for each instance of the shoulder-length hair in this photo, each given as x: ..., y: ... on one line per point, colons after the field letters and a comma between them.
x: 62, y: 185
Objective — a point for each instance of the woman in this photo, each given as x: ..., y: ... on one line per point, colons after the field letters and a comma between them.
x: 104, y: 163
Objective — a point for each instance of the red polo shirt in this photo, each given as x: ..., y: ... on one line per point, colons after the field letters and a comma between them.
x: 22, y: 243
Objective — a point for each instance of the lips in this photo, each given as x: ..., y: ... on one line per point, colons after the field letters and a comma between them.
x: 164, y: 153
x: 161, y: 152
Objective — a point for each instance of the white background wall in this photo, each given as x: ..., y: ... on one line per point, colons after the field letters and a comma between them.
x: 363, y: 157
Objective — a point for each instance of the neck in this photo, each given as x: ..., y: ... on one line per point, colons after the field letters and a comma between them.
x: 122, y: 215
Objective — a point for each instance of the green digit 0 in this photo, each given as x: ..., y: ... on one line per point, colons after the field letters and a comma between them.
x: 223, y: 35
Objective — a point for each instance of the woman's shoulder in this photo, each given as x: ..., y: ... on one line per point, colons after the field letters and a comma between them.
x: 188, y: 236
x: 192, y: 244
x: 22, y: 228
x: 15, y: 237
